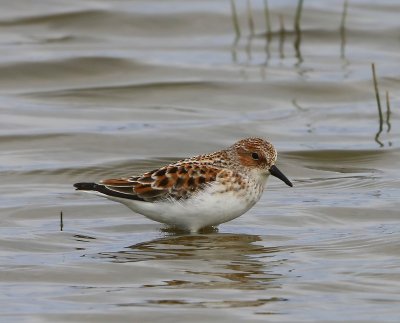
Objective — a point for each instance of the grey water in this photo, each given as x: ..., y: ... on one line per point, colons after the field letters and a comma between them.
x: 99, y: 89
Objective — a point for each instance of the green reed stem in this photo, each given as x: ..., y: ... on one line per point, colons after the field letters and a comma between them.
x: 267, y: 20
x: 250, y: 17
x: 297, y: 30
x: 235, y: 19
x: 282, y: 33
x: 344, y: 15
x: 388, y: 112
x: 343, y: 28
x: 298, y: 15
x: 61, y: 221
x: 378, y: 102
x: 378, y: 99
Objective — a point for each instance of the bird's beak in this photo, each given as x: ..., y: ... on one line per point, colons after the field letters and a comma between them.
x: 274, y: 171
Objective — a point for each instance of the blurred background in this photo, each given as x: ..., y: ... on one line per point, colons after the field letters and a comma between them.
x: 101, y: 88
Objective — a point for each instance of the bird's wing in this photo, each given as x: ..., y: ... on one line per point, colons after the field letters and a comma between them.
x: 175, y: 181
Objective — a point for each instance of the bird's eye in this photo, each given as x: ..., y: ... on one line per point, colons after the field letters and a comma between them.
x: 255, y: 156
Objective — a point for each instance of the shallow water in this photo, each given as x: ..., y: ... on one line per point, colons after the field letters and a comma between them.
x: 108, y: 88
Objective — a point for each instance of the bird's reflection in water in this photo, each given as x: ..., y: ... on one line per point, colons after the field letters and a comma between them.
x: 227, y: 260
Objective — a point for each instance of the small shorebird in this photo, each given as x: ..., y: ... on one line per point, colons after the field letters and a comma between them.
x: 197, y: 192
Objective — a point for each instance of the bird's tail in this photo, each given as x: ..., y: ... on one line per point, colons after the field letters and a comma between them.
x: 86, y: 186
x: 105, y: 191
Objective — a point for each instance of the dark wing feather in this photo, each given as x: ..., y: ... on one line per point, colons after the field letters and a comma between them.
x: 176, y: 181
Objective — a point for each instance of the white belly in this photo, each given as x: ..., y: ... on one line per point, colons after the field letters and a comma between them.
x: 207, y: 208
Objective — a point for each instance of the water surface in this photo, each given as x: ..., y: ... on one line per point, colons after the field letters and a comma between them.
x: 109, y: 88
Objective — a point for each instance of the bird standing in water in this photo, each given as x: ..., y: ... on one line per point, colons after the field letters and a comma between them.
x: 197, y: 192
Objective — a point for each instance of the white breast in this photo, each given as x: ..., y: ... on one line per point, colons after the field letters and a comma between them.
x: 211, y: 206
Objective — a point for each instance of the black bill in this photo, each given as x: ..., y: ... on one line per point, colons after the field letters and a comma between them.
x: 274, y: 171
